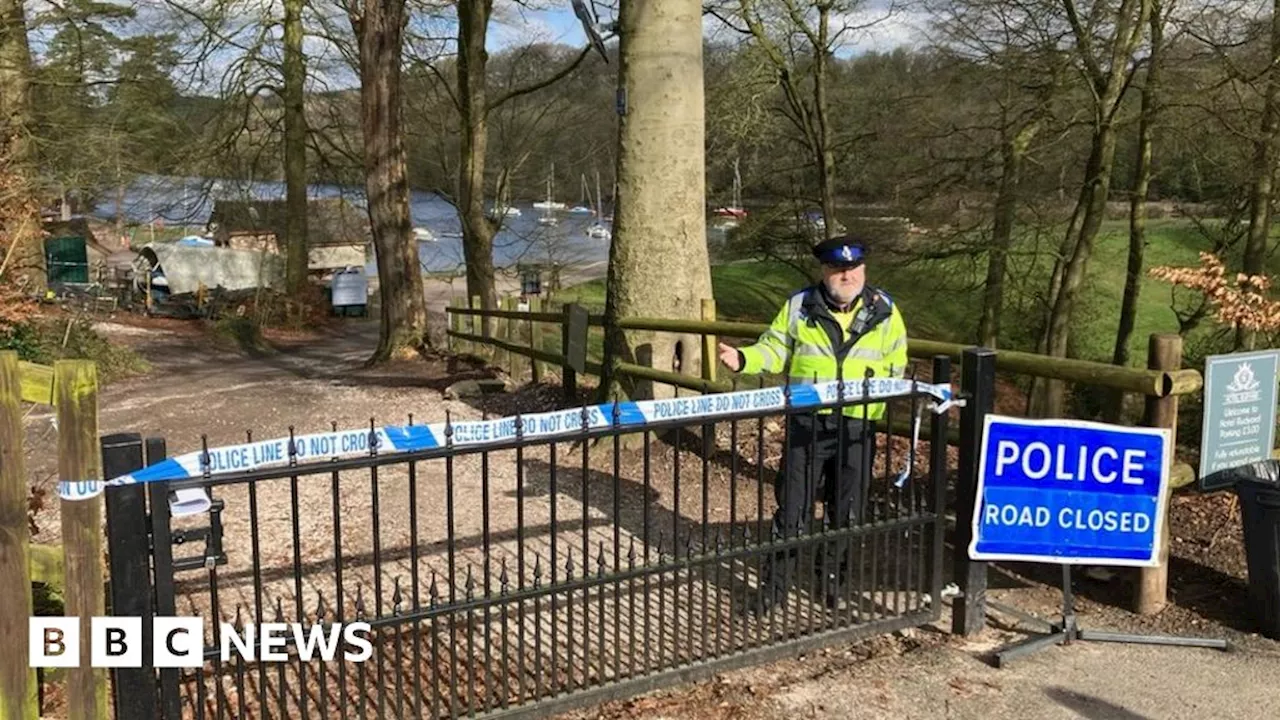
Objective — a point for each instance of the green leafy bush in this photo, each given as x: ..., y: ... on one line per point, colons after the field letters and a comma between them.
x: 46, y: 339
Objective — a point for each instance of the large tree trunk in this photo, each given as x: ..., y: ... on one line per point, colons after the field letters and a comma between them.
x: 1138, y: 203
x: 17, y: 151
x: 379, y: 27
x: 1013, y: 151
x: 1065, y: 250
x: 477, y: 229
x: 295, y: 150
x: 1264, y: 168
x: 1138, y: 211
x: 658, y: 264
x: 1094, y: 200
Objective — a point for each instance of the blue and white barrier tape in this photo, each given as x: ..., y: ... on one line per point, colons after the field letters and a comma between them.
x: 414, y: 438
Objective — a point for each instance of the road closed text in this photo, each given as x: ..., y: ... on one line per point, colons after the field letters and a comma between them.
x: 1067, y: 518
x: 1069, y: 491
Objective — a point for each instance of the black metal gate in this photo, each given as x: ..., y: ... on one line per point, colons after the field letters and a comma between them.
x: 520, y: 577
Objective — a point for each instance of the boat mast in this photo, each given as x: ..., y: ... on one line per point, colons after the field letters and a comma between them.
x: 737, y: 186
x: 599, y: 200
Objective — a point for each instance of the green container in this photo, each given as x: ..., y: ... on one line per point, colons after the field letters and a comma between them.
x: 67, y: 260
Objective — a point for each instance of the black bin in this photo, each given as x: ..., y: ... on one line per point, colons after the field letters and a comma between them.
x: 1258, y: 487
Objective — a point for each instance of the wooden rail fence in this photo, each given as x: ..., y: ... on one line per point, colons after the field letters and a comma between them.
x: 523, y: 333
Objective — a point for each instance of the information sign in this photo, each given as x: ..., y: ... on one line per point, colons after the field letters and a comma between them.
x: 1239, y: 410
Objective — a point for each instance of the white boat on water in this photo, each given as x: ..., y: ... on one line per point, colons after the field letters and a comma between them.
x: 549, y: 206
x: 598, y: 229
x: 422, y: 234
x: 584, y: 203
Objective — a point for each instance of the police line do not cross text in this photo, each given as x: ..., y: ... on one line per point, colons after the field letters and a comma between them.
x: 1069, y: 491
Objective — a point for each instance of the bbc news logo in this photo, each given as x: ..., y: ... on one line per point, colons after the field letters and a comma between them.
x: 178, y: 642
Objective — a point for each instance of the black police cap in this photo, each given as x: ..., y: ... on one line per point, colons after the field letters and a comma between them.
x: 841, y: 251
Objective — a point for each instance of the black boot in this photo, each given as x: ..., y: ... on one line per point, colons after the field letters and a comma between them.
x: 833, y: 575
x: 775, y: 577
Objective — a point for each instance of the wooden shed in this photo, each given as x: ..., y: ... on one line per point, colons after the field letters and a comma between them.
x: 338, y: 233
x: 72, y: 252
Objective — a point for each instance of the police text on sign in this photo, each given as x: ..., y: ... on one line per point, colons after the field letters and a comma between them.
x: 1068, y: 491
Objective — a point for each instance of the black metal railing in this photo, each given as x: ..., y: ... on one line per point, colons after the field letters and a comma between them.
x: 529, y: 575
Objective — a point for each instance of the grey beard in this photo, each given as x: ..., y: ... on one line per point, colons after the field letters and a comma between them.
x: 835, y: 295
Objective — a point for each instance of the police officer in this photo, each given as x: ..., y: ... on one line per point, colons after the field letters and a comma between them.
x: 838, y: 329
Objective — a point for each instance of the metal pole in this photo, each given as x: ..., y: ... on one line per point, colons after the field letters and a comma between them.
x: 128, y: 549
x: 977, y: 385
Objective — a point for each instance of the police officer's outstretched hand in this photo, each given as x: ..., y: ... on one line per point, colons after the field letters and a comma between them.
x: 729, y: 356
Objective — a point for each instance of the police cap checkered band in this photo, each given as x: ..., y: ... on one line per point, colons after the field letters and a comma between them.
x: 844, y: 251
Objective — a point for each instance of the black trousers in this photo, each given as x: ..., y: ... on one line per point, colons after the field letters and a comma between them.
x: 821, y: 461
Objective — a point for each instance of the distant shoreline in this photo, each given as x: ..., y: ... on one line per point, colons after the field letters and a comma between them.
x: 439, y: 291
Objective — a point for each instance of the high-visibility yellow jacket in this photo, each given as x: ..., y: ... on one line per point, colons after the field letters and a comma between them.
x: 811, y: 341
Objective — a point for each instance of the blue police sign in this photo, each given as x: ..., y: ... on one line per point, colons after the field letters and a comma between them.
x: 1070, y: 491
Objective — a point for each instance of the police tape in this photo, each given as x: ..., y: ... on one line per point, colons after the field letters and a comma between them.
x: 417, y: 438
x: 79, y: 489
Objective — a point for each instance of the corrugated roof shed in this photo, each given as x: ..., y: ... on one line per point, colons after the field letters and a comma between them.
x: 186, y: 267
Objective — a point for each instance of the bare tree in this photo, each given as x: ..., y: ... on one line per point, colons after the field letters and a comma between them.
x: 1151, y: 102
x: 474, y: 108
x: 1018, y: 68
x: 1105, y: 42
x: 799, y: 38
x: 1262, y: 190
x: 379, y: 29
x: 24, y: 253
x: 295, y: 149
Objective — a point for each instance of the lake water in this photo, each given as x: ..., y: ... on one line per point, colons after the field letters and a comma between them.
x: 189, y: 201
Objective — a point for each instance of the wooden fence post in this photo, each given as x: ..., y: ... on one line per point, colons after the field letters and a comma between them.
x: 477, y: 323
x: 709, y: 345
x: 1164, y: 352
x: 79, y: 460
x: 455, y: 325
x: 511, y: 333
x: 568, y: 378
x: 500, y: 357
x: 17, y: 681
x: 536, y: 367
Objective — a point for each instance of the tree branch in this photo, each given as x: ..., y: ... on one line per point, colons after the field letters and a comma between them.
x: 546, y: 82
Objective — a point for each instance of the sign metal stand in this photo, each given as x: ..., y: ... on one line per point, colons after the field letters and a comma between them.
x: 1033, y: 472
x: 1068, y: 630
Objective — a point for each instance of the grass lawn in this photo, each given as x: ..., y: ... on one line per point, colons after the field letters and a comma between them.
x: 941, y: 299
x: 747, y: 291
